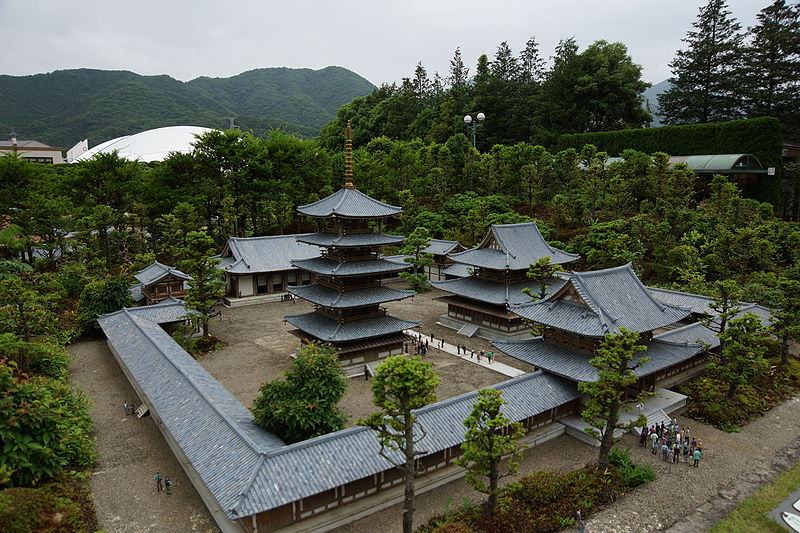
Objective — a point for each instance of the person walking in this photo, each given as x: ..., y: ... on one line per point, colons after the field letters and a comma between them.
x: 686, y: 452
x: 697, y: 455
x: 665, y: 452
x: 643, y: 438
x: 167, y: 486
x: 157, y: 479
x: 676, y: 452
x: 654, y: 440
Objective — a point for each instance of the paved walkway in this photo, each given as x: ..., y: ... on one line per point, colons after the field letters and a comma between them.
x: 501, y: 368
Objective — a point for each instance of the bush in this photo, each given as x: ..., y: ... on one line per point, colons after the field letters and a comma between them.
x: 63, y: 506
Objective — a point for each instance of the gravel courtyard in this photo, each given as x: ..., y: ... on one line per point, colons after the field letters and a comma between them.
x: 258, y: 345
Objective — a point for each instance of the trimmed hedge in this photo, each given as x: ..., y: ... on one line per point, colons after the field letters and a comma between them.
x: 761, y: 137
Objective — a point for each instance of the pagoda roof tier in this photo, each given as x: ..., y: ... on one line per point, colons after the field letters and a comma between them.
x: 575, y: 366
x: 345, y: 348
x: 512, y: 247
x: 349, y: 203
x: 329, y: 267
x: 601, y: 302
x: 352, y: 240
x: 329, y: 330
x: 495, y: 292
x: 329, y: 297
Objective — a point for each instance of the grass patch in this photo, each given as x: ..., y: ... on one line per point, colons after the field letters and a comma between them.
x: 749, y: 517
x: 708, y: 402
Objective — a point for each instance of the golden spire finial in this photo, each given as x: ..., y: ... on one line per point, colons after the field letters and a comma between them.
x: 348, y: 157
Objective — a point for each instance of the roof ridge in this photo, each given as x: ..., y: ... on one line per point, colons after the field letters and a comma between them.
x: 250, y: 482
x: 590, y: 302
x: 344, y: 196
x: 246, y: 438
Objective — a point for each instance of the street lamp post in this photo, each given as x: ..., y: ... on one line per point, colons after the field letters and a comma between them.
x: 474, y: 125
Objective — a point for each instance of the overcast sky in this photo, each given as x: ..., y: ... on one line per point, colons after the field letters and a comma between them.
x: 380, y: 40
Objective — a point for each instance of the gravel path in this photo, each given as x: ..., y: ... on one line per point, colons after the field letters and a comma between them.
x: 131, y: 451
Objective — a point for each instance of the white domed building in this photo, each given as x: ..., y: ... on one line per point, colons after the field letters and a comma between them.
x: 146, y: 146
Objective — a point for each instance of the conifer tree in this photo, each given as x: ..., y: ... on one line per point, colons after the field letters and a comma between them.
x: 458, y: 72
x: 490, y: 437
x: 705, y: 80
x: 207, y: 287
x: 773, y: 65
x: 531, y: 63
x: 401, y: 385
x: 505, y: 66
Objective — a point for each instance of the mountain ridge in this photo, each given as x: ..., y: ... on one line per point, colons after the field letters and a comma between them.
x: 65, y: 106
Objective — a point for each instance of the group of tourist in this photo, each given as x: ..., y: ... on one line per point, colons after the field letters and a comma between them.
x: 288, y: 297
x: 675, y: 443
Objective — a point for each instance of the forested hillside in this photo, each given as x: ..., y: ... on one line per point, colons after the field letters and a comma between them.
x: 65, y: 106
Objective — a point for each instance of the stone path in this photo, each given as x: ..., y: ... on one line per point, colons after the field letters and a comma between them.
x: 452, y: 349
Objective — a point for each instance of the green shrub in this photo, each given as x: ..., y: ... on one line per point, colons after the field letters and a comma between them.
x: 63, y: 506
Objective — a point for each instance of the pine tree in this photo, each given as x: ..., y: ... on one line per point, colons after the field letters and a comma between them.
x: 490, y: 437
x: 206, y: 286
x: 458, y: 72
x: 505, y: 66
x: 773, y: 65
x: 401, y: 385
x: 531, y: 63
x: 706, y: 77
x: 421, y: 84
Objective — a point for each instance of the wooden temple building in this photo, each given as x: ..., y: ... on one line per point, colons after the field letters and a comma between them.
x: 158, y: 282
x: 440, y: 249
x: 348, y: 292
x: 478, y: 303
x: 590, y: 305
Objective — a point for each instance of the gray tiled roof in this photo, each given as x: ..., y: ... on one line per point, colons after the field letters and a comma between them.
x: 575, y: 365
x: 615, y: 297
x: 316, y: 465
x: 136, y: 292
x: 329, y: 267
x: 697, y: 332
x: 520, y: 246
x: 248, y: 470
x: 457, y: 269
x: 350, y: 203
x: 212, y: 427
x: 157, y: 271
x: 700, y: 304
x: 441, y: 247
x: 328, y: 297
x: 328, y: 330
x: 355, y: 239
x: 165, y: 311
x: 494, y: 292
x: 265, y: 254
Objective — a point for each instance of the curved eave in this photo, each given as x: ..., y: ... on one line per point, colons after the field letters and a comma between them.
x: 324, y: 239
x: 328, y: 330
x: 328, y: 267
x: 327, y: 297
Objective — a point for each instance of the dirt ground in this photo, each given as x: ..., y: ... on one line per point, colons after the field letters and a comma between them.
x: 259, y: 345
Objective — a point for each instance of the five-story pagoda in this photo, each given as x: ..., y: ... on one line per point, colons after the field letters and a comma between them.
x: 348, y: 294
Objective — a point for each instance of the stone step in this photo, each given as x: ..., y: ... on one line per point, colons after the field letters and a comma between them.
x: 468, y: 330
x: 142, y: 410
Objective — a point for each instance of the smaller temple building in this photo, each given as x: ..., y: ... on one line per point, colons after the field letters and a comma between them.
x: 497, y: 268
x: 260, y: 266
x: 440, y: 249
x: 158, y: 282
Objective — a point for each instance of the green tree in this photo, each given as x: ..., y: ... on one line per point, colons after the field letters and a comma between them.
x: 773, y: 65
x: 303, y: 404
x: 413, y: 246
x: 101, y: 297
x: 11, y: 243
x: 459, y: 74
x: 542, y: 272
x: 490, y: 437
x: 23, y: 311
x: 615, y: 373
x: 207, y: 285
x: 741, y: 355
x: 598, y: 89
x: 706, y: 76
x: 725, y: 305
x: 401, y: 385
